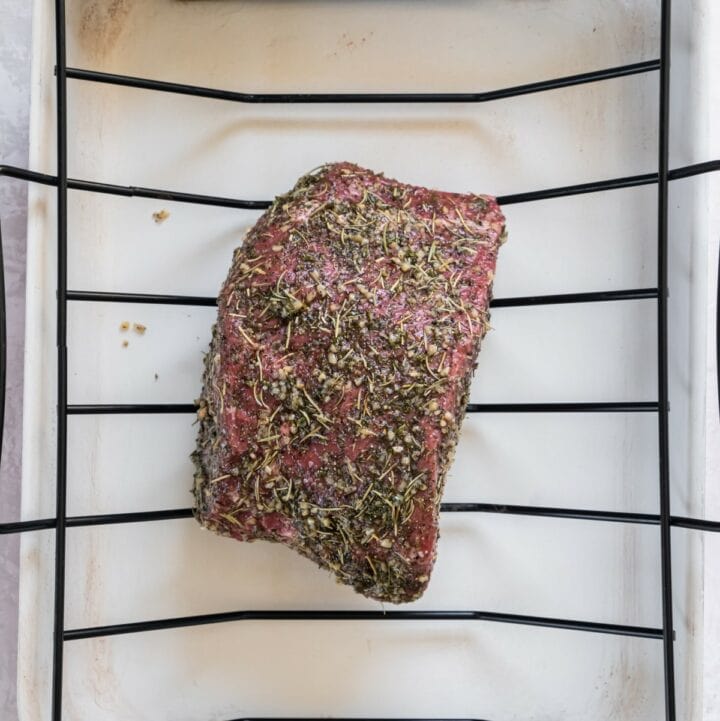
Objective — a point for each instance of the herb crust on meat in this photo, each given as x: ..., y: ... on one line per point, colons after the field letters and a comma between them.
x: 339, y: 370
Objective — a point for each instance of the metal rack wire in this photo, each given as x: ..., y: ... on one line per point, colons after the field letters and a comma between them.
x: 664, y: 519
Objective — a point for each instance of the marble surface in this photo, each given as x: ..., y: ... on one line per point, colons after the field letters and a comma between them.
x: 15, y: 44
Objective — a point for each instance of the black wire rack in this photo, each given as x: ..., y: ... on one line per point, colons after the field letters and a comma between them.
x: 665, y: 520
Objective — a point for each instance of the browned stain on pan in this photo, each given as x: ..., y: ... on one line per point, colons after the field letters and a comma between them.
x: 102, y: 23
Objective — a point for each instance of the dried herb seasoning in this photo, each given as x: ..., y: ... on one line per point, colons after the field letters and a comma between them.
x: 339, y: 370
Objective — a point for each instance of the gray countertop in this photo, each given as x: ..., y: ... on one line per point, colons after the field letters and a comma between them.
x: 15, y: 40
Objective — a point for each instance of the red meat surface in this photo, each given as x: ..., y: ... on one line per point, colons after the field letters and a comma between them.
x: 338, y: 373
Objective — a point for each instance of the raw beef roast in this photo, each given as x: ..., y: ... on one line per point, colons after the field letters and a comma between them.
x: 339, y: 370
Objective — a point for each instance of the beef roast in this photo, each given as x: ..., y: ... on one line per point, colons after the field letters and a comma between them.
x: 339, y: 370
